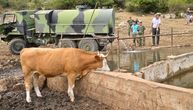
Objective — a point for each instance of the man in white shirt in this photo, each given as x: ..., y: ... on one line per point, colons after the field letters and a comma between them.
x: 156, y: 29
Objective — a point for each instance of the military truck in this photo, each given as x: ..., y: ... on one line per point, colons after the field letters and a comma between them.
x: 32, y: 28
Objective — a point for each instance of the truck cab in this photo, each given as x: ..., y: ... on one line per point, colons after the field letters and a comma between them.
x: 16, y: 27
x: 7, y: 23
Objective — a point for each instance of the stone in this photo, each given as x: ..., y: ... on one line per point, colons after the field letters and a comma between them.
x: 3, y: 85
x: 172, y: 16
x: 167, y: 16
x: 3, y: 88
x: 18, y: 86
x: 123, y: 24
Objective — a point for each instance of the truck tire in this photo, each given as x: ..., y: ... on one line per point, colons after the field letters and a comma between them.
x: 67, y: 44
x: 32, y: 45
x: 101, y: 48
x: 16, y: 45
x: 88, y: 45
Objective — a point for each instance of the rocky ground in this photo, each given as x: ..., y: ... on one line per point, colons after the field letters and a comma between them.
x: 15, y: 100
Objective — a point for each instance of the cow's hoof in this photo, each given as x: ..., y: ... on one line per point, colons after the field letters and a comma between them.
x: 39, y: 95
x: 72, y: 99
x: 28, y: 100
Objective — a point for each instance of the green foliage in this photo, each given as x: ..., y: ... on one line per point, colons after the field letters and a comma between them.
x: 143, y: 6
x: 4, y: 3
x: 146, y: 6
x: 17, y: 4
x: 176, y: 5
x: 68, y: 4
x: 61, y: 4
x: 189, y: 1
x: 35, y: 4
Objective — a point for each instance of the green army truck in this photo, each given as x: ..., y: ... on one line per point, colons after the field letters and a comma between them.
x: 32, y: 28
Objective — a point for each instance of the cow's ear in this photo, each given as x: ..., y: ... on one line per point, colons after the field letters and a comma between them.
x: 97, y: 57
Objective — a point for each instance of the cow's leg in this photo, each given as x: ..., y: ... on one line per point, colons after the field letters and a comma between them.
x: 71, y: 83
x: 35, y: 83
x: 27, y: 82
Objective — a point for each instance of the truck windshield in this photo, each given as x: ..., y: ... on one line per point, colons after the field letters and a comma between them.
x: 9, y: 18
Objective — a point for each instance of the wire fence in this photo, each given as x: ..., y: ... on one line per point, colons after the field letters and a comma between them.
x: 171, y: 36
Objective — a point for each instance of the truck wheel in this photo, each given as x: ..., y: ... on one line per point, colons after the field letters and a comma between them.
x: 88, y: 45
x: 101, y: 48
x: 32, y: 45
x: 16, y: 45
x: 67, y: 44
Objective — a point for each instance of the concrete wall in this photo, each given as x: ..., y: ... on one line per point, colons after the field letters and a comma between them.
x: 162, y: 70
x: 123, y: 91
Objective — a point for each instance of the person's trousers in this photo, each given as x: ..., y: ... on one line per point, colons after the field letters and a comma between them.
x: 155, y: 36
x: 134, y: 35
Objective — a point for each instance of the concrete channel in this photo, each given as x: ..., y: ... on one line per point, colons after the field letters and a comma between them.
x: 141, y: 91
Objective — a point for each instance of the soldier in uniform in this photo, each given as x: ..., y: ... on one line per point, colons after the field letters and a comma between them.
x: 130, y: 21
x: 141, y: 30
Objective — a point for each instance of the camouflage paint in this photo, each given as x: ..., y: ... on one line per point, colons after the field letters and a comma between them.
x: 42, y: 21
x: 24, y: 21
x: 88, y: 14
x: 65, y: 22
x: 75, y: 21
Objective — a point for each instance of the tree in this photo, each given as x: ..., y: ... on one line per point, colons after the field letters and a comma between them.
x: 18, y: 4
x: 4, y: 3
x: 176, y: 5
x: 35, y: 4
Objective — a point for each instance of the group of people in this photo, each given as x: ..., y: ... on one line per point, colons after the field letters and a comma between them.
x: 136, y: 29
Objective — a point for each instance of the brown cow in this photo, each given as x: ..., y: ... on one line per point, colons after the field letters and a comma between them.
x: 69, y: 62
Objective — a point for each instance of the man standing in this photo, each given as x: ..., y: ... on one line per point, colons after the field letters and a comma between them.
x: 134, y: 30
x: 156, y: 29
x: 188, y: 16
x: 141, y: 29
x: 130, y: 21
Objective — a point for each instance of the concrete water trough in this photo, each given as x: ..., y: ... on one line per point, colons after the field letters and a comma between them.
x: 125, y: 91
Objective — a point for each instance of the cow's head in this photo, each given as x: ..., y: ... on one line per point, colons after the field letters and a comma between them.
x: 102, y: 61
x: 99, y: 61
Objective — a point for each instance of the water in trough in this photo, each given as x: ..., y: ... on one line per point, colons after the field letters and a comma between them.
x: 182, y: 80
x: 133, y: 61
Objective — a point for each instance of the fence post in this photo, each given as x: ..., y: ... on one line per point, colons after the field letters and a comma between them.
x: 172, y: 41
x: 118, y: 51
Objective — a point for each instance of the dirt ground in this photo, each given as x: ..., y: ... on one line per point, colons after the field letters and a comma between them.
x: 13, y: 96
x: 52, y: 100
x: 14, y: 99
